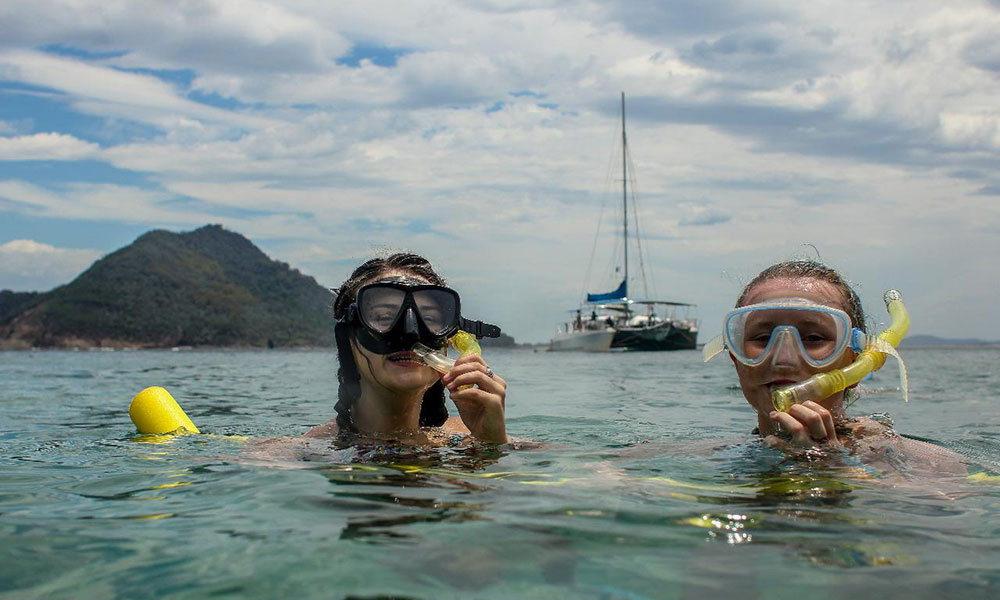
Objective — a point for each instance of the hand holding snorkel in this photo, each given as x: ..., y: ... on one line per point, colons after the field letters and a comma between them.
x: 475, y: 389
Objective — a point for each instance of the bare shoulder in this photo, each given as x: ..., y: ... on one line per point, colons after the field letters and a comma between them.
x: 326, y: 430
x: 882, y: 443
x: 934, y: 457
x: 455, y: 425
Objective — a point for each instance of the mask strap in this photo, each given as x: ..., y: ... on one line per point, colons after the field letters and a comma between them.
x: 859, y: 341
x: 478, y: 328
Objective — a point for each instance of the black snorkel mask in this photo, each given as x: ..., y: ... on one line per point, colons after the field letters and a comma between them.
x: 391, y: 315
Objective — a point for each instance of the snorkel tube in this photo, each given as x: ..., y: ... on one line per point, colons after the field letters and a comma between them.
x: 872, y: 358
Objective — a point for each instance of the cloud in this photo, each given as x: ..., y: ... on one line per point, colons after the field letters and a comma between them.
x: 483, y: 135
x: 704, y: 216
x: 27, y: 265
x: 46, y: 146
x: 112, y: 93
x: 990, y: 190
x: 223, y: 35
x: 657, y: 20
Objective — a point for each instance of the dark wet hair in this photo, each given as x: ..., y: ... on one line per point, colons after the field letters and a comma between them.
x: 433, y: 412
x: 793, y: 269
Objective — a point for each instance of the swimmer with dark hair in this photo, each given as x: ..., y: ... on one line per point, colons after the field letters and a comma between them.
x: 386, y: 307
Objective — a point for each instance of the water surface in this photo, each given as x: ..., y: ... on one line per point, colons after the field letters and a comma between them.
x: 647, y: 484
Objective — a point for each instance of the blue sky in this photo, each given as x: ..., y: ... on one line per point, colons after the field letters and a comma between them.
x: 483, y: 135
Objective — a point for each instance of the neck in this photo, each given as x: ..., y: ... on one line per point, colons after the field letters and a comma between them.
x: 379, y: 410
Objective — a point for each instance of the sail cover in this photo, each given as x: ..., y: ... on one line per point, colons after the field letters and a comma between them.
x: 620, y: 294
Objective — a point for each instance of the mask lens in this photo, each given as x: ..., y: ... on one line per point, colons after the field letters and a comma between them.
x: 822, y: 333
x: 379, y: 307
x: 438, y: 309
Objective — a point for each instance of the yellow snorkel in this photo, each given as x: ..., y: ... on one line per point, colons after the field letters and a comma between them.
x: 872, y: 358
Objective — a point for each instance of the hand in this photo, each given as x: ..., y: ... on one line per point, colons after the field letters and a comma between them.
x: 808, y: 424
x: 479, y: 395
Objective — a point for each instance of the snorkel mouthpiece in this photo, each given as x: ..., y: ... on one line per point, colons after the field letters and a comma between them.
x: 464, y: 342
x: 433, y: 359
x: 872, y: 358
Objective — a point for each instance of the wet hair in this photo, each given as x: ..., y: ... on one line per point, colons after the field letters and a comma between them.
x: 433, y: 412
x: 796, y: 269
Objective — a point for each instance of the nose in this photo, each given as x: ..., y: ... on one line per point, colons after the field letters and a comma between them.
x: 410, y: 328
x: 785, y: 351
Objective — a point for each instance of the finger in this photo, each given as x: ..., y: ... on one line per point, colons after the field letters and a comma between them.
x: 471, y: 397
x: 793, y: 426
x: 465, y: 364
x: 827, y: 416
x: 467, y: 368
x: 470, y: 358
x: 478, y: 378
x: 816, y: 419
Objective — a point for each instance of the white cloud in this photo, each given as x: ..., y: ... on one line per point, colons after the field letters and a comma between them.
x: 46, y: 146
x: 27, y: 265
x: 112, y: 93
x: 755, y: 128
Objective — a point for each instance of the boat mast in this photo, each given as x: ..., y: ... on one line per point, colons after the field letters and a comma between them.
x: 625, y: 190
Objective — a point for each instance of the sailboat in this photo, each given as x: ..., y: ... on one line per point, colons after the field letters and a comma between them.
x: 614, y: 320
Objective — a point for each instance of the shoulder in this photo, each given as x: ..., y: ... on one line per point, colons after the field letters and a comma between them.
x: 455, y: 425
x: 328, y: 429
x: 864, y: 427
x: 883, y: 444
x: 934, y: 457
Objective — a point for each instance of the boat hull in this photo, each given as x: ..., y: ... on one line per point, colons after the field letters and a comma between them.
x: 661, y: 337
x: 583, y: 341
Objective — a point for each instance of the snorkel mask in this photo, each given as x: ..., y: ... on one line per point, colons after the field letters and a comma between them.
x: 752, y: 333
x: 758, y: 332
x: 393, y: 314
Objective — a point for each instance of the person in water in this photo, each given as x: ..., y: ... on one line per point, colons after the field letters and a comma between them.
x: 385, y: 307
x: 794, y: 320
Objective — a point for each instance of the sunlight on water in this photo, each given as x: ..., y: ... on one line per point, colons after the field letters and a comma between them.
x: 645, y: 483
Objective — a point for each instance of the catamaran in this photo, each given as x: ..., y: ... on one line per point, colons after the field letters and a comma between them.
x: 615, y: 320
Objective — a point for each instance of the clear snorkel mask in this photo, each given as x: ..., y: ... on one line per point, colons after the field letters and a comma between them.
x: 818, y: 333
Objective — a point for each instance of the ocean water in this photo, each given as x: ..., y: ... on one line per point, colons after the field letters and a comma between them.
x: 641, y: 481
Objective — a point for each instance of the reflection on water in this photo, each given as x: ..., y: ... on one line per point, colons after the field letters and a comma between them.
x: 641, y: 485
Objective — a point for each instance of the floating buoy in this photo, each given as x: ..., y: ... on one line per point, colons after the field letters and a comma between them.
x: 154, y: 411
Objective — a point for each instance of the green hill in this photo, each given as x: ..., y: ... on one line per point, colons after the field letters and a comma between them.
x: 208, y: 287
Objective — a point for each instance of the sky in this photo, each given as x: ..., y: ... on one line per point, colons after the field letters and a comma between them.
x: 486, y: 136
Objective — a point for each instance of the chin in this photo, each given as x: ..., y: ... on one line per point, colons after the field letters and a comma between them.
x: 410, y: 378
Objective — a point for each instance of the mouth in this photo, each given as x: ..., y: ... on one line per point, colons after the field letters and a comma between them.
x: 407, y: 358
x: 777, y: 383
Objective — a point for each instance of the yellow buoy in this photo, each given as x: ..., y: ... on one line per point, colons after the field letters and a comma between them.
x: 154, y: 410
